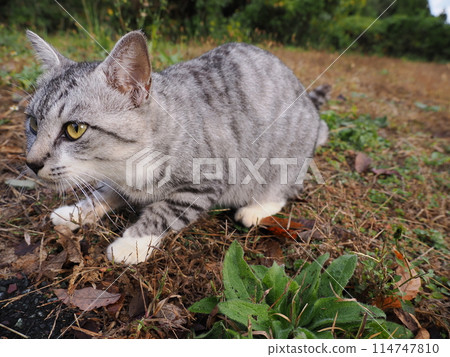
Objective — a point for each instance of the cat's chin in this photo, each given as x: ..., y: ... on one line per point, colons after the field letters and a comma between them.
x: 60, y: 186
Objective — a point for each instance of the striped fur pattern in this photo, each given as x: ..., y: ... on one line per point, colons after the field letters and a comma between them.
x: 230, y: 103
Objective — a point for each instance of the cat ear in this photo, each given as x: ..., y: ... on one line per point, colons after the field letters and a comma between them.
x: 47, y: 55
x: 128, y: 68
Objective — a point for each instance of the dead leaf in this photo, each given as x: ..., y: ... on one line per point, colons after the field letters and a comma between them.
x: 27, y: 238
x: 386, y: 172
x: 12, y: 288
x: 408, y: 285
x: 24, y: 248
x: 283, y: 227
x: 387, y: 302
x: 115, y: 308
x: 362, y: 162
x: 70, y: 244
x: 52, y: 267
x: 87, y: 299
x: 422, y: 334
x: 171, y: 317
x: 138, y: 304
x: 407, y: 319
x: 272, y: 252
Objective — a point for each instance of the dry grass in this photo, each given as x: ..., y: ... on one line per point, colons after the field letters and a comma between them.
x: 188, y: 266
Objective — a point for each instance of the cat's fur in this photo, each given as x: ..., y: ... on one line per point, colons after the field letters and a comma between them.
x: 215, y: 106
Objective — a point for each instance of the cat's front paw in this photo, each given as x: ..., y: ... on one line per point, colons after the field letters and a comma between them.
x: 132, y: 250
x: 252, y: 214
x: 69, y: 216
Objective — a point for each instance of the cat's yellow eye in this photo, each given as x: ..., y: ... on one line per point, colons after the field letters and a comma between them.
x: 74, y: 131
x: 33, y: 125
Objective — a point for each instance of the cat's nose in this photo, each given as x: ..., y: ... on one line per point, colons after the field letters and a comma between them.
x: 35, y: 166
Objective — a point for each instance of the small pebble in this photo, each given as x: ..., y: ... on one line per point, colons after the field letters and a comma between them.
x: 19, y: 323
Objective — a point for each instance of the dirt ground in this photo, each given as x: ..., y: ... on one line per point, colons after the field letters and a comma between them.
x: 155, y: 295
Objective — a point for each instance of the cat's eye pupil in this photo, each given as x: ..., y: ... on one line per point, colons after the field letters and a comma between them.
x: 74, y: 131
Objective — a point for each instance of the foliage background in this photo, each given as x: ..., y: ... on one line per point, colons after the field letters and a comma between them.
x: 406, y: 29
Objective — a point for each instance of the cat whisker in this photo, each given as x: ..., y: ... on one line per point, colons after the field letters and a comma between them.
x: 112, y: 188
x: 97, y: 197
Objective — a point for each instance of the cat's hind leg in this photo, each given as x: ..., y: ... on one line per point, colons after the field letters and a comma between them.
x: 87, y: 211
x: 252, y: 214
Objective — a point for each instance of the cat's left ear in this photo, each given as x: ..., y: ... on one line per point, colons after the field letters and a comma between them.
x: 128, y: 68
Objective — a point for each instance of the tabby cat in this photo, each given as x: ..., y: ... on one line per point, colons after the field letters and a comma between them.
x: 229, y: 128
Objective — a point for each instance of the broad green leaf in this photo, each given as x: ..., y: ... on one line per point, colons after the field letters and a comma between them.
x: 259, y: 270
x: 281, y: 290
x: 238, y: 279
x: 388, y: 330
x: 303, y: 333
x: 276, y: 280
x: 337, y: 274
x: 217, y: 331
x: 309, y: 278
x: 308, y: 281
x: 205, y: 306
x: 281, y: 328
x: 325, y: 335
x: 245, y: 312
x: 349, y: 313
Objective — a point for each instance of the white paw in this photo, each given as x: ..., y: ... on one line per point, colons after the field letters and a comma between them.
x: 132, y: 250
x: 69, y: 216
x: 250, y: 215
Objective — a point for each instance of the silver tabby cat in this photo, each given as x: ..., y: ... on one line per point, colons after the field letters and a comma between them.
x: 229, y: 127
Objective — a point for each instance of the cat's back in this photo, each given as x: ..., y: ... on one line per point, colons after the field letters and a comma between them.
x: 237, y: 76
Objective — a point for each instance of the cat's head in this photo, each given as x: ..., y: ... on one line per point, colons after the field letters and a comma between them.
x: 81, y: 121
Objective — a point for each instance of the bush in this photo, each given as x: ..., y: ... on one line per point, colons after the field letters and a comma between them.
x: 399, y: 35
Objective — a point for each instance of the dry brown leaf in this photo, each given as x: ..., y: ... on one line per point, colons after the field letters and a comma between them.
x: 115, y: 308
x: 272, y: 252
x: 408, y: 285
x: 87, y: 299
x: 362, y: 162
x: 283, y: 227
x: 407, y: 319
x: 387, y: 302
x: 386, y: 172
x: 422, y: 334
x: 52, y: 267
x: 70, y: 244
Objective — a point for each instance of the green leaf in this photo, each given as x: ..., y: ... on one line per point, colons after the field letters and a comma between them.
x: 337, y: 275
x: 276, y: 280
x: 281, y: 328
x: 205, y: 306
x: 281, y: 290
x: 387, y: 329
x: 349, y: 313
x: 325, y: 335
x: 238, y: 279
x: 259, y: 270
x: 309, y: 278
x: 218, y: 330
x: 303, y: 333
x: 245, y: 312
x: 308, y: 281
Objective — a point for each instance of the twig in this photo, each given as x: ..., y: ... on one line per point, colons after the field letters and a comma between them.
x: 14, y: 331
